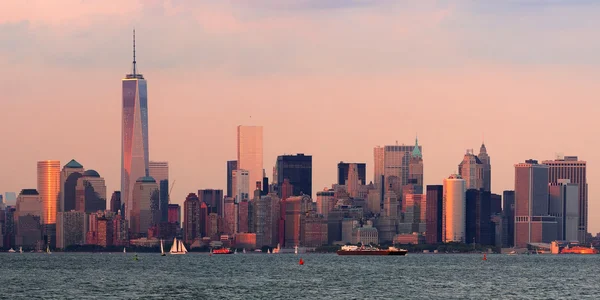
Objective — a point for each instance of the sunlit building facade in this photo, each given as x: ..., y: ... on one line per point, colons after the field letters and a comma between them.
x: 134, y: 134
x: 145, y: 204
x: 250, y: 152
x: 454, y: 209
x: 48, y: 186
x: 69, y: 176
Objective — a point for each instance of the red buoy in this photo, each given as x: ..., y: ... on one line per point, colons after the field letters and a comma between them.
x: 301, y: 262
x: 484, y: 257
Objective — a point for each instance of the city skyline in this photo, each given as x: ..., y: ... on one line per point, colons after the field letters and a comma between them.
x: 264, y: 100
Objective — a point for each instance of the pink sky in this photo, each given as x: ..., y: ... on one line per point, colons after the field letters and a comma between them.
x: 333, y: 81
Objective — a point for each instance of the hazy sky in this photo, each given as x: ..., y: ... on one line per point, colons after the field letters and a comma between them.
x: 329, y: 78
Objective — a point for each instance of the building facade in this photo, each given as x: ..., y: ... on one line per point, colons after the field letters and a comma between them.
x: 145, y: 203
x: 454, y: 209
x: 343, y: 171
x: 435, y: 212
x: 471, y: 170
x: 69, y: 176
x: 298, y: 170
x: 231, y: 166
x: 48, y: 185
x: 250, y: 152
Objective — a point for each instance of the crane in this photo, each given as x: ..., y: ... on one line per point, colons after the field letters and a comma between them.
x: 170, y: 190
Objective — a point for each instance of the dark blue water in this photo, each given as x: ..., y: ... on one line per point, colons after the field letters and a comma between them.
x: 323, y: 276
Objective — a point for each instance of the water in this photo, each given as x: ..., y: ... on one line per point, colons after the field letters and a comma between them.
x: 323, y: 276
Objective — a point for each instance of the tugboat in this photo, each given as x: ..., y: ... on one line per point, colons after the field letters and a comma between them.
x: 355, y: 250
x: 222, y: 251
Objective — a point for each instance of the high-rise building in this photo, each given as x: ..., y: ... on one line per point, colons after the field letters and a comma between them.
x: 10, y: 198
x: 298, y: 170
x: 174, y: 213
x: 532, y: 222
x: 159, y: 170
x: 325, y: 202
x: 115, y: 202
x: 487, y: 168
x: 344, y: 168
x: 435, y: 212
x: 145, y: 204
x: 570, y: 167
x: 415, y: 169
x: 454, y: 209
x: 230, y: 216
x: 296, y: 209
x: 240, y: 185
x: 353, y: 182
x: 231, y: 166
x: 471, y: 170
x: 508, y: 212
x: 378, y: 167
x: 214, y: 200
x: 242, y: 221
x: 250, y: 152
x: 392, y: 165
x: 28, y: 219
x: 69, y: 176
x: 90, y: 192
x: 478, y: 223
x: 191, y: 218
x: 48, y: 185
x: 564, y: 205
x: 134, y: 134
x: 71, y: 229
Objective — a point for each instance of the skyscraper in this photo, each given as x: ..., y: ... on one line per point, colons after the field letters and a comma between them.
x: 159, y: 170
x: 478, y: 217
x: 570, y: 167
x: 48, y: 185
x: 240, y: 185
x: 134, y: 134
x: 69, y: 176
x: 454, y: 209
x: 352, y: 181
x: 212, y: 198
x: 115, y: 201
x: 471, y: 170
x: 415, y: 169
x: 392, y: 164
x: 343, y: 169
x: 487, y: 168
x: 90, y: 192
x: 435, y: 211
x: 298, y: 170
x: 191, y: 218
x: 231, y: 166
x: 144, y: 205
x: 250, y: 152
x: 532, y: 222
x: 564, y: 205
x: 28, y: 219
x: 508, y: 212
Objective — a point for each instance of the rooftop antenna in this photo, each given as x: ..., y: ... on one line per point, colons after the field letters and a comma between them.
x: 134, y: 70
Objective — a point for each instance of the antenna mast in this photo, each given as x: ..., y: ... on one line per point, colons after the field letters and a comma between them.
x: 134, y: 71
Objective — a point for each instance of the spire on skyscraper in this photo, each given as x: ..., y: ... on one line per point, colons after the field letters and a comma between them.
x: 134, y: 62
x: 416, y: 151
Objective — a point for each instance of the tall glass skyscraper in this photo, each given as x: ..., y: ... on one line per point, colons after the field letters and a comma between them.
x: 250, y: 153
x: 48, y: 185
x: 134, y: 134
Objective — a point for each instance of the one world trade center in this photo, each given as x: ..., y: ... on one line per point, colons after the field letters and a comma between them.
x: 134, y: 134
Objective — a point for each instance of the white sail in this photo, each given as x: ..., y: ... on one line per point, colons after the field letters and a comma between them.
x: 20, y: 249
x: 182, y: 247
x: 174, y: 246
x: 162, y: 250
x: 124, y: 251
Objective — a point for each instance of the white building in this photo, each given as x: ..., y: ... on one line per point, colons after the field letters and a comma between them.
x: 454, y: 209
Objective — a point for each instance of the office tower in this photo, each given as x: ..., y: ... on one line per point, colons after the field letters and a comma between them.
x: 230, y: 216
x: 105, y: 232
x: 415, y: 169
x: 48, y: 185
x: 264, y: 219
x: 212, y: 198
x: 487, y: 168
x: 295, y: 211
x: 134, y: 134
x: 454, y: 209
x: 415, y: 213
x: 191, y: 218
x: 532, y: 223
x: 121, y: 231
x: 315, y: 230
x: 69, y: 176
x: 478, y: 217
x: 508, y: 212
x: 325, y: 202
x: 343, y: 169
x: 378, y: 167
x: 286, y: 189
x: 174, y: 213
x: 202, y: 229
x: 159, y: 170
x: 71, y: 229
x: 265, y: 186
x: 435, y: 211
x: 373, y: 201
x: 471, y: 170
x: 250, y: 152
x: 392, y: 162
x: 495, y: 204
x: 240, y: 184
x: 10, y: 198
x: 90, y: 192
x: 231, y: 166
x: 145, y: 200
x: 115, y: 202
x: 298, y: 170
x: 564, y: 205
x: 570, y: 167
x: 28, y: 219
x: 352, y: 182
x: 387, y: 224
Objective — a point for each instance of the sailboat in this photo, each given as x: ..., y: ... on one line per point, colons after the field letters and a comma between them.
x: 269, y: 251
x: 296, y: 250
x: 124, y: 251
x: 11, y: 250
x: 48, y: 249
x: 20, y: 249
x: 162, y: 250
x: 178, y: 247
x: 244, y: 251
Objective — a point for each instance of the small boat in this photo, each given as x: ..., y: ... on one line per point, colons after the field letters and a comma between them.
x: 48, y: 249
x: 235, y: 251
x: 512, y: 252
x: 244, y: 251
x: 178, y: 247
x: 355, y: 250
x: 11, y: 250
x: 276, y: 250
x: 295, y: 249
x: 20, y: 249
x: 269, y: 251
x: 162, y: 250
x: 124, y: 251
x: 222, y: 251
